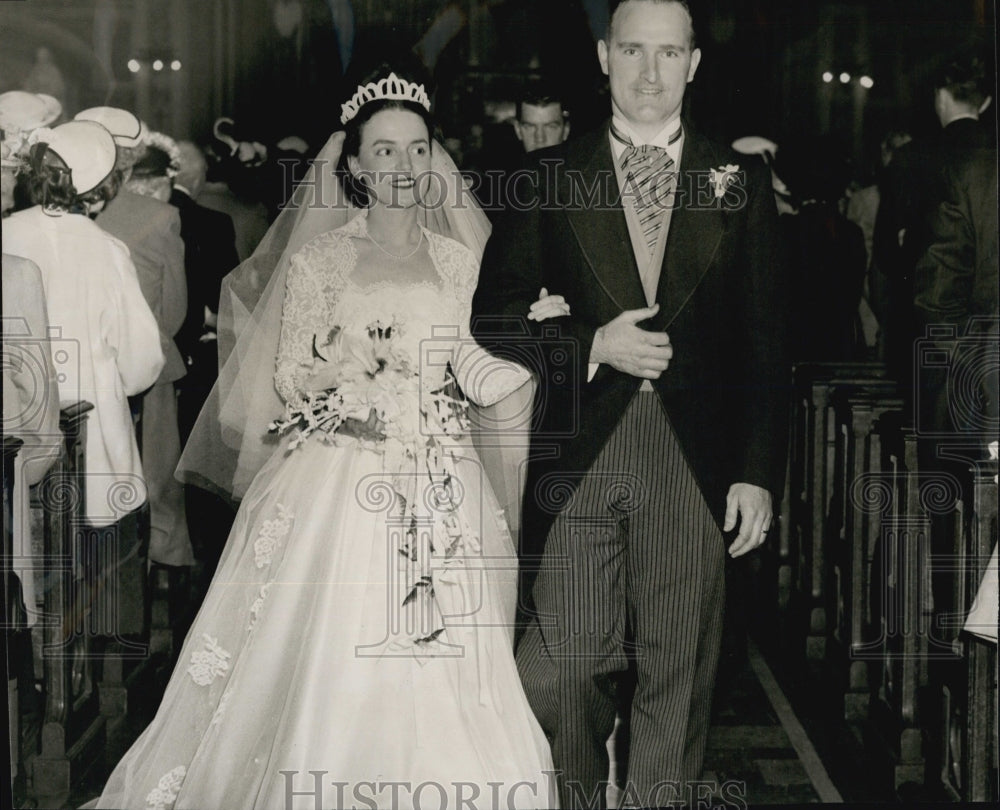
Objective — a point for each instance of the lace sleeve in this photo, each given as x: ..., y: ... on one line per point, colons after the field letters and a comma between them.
x: 314, y: 282
x: 484, y: 378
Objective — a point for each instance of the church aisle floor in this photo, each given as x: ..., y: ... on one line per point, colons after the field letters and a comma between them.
x: 757, y: 742
x: 759, y: 749
x: 144, y: 697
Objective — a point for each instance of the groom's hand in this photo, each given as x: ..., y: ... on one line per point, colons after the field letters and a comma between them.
x: 753, y: 504
x: 626, y: 347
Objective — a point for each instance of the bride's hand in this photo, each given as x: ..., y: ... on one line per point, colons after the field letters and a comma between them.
x: 548, y: 306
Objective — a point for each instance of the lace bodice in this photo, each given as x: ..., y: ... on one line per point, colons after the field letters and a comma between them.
x: 326, y: 289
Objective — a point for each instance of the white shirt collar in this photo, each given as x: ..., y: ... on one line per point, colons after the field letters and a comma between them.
x: 662, y: 138
x: 179, y: 187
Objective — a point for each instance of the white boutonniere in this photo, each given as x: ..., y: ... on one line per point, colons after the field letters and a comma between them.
x: 723, y: 178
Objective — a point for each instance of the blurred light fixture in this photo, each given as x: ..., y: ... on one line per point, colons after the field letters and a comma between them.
x: 867, y: 82
x: 134, y: 66
x: 845, y: 77
x: 828, y: 77
x: 175, y: 65
x: 157, y: 64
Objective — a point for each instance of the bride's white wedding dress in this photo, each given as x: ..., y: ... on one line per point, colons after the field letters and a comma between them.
x: 299, y: 676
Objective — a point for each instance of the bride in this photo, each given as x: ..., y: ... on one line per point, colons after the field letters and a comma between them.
x: 355, y: 646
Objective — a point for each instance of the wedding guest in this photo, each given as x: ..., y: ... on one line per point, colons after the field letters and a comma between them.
x: 767, y: 150
x: 541, y: 119
x: 30, y: 405
x: 21, y: 113
x: 914, y: 187
x: 31, y: 392
x: 249, y: 216
x: 956, y: 284
x: 209, y: 254
x: 9, y: 167
x: 140, y: 216
x: 31, y: 414
x: 957, y: 405
x: 862, y: 210
x: 153, y: 173
x: 862, y: 207
x: 94, y: 300
x: 264, y: 171
x: 826, y: 254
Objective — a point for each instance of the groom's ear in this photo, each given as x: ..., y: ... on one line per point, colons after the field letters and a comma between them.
x: 695, y: 61
x: 602, y: 55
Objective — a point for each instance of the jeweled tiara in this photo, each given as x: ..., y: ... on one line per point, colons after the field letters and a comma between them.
x: 391, y: 87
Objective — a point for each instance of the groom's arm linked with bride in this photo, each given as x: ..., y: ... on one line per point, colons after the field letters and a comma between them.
x: 659, y: 425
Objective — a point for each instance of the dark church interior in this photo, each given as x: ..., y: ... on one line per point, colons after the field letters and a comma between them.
x: 857, y: 666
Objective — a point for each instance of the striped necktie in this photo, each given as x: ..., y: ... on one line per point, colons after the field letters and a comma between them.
x: 649, y: 178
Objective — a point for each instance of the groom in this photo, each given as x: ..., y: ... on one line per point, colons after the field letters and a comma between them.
x: 661, y: 414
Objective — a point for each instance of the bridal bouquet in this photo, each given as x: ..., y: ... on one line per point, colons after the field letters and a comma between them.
x: 364, y: 385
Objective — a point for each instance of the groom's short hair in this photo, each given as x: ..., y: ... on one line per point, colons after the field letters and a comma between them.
x: 613, y: 6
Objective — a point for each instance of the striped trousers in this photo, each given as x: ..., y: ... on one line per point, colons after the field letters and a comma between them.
x: 631, y: 580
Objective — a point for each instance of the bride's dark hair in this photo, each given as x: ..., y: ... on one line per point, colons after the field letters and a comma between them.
x: 355, y: 189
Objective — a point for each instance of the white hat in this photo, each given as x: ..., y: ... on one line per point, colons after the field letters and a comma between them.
x: 126, y: 127
x: 87, y: 149
x: 21, y: 111
x: 755, y: 145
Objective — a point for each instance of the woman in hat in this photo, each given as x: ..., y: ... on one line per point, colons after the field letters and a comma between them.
x: 355, y: 646
x: 104, y: 343
x: 30, y: 413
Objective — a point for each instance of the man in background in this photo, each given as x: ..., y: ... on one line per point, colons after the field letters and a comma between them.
x: 501, y: 431
x: 209, y: 255
x: 541, y: 121
x: 914, y: 187
x: 956, y: 285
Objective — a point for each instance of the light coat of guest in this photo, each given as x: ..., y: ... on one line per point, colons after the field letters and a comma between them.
x: 107, y: 346
x: 30, y: 405
x: 95, y: 303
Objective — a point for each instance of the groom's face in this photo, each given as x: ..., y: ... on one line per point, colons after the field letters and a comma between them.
x: 649, y: 60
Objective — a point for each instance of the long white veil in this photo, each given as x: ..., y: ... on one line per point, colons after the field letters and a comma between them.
x: 230, y: 442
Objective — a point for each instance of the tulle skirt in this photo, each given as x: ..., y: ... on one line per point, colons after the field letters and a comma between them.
x: 297, y: 679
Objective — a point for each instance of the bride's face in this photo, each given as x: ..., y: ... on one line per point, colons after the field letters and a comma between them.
x: 395, y: 154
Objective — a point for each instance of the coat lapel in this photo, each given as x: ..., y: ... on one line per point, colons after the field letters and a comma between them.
x: 696, y: 229
x: 589, y: 190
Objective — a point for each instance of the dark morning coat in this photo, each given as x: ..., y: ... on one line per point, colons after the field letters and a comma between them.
x: 722, y: 302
